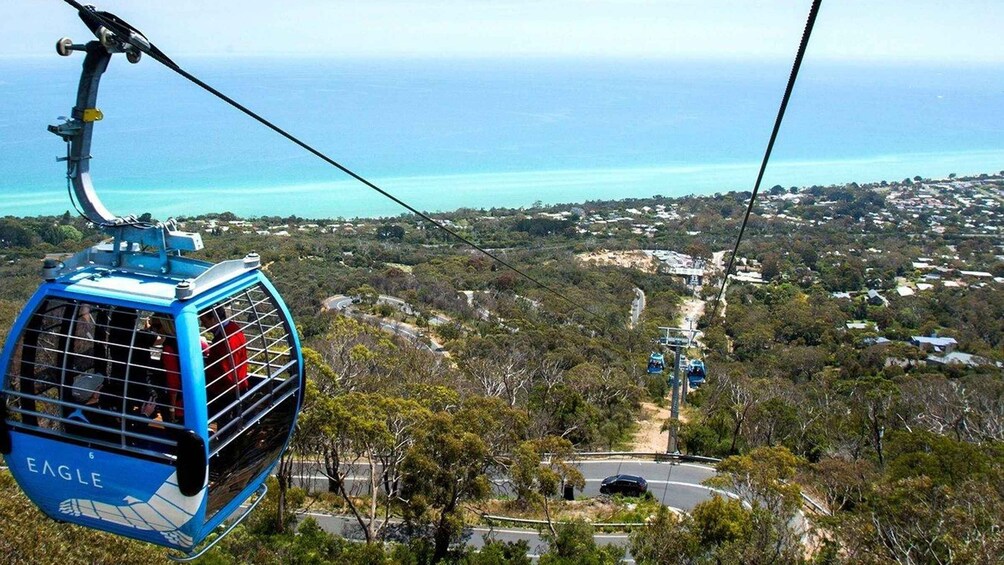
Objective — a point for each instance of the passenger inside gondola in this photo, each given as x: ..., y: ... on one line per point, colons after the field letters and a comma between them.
x: 227, y: 355
x: 83, y: 354
x: 115, y: 345
x: 94, y: 422
x: 171, y: 405
x: 656, y: 363
x: 226, y: 366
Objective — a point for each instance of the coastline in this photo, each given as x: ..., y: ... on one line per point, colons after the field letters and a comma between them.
x: 446, y: 192
x: 442, y: 137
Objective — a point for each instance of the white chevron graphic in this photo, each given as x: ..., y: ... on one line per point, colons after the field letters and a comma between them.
x: 166, y: 511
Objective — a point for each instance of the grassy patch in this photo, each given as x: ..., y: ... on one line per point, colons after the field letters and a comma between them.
x: 601, y: 509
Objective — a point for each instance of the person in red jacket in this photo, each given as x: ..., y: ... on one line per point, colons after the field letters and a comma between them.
x: 174, y: 406
x: 225, y: 360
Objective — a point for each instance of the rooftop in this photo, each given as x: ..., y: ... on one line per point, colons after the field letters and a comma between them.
x: 935, y: 341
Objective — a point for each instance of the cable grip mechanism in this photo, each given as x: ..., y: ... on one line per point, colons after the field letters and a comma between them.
x: 112, y: 35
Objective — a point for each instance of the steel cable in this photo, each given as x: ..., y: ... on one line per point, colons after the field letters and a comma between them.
x: 809, y: 23
x: 123, y: 33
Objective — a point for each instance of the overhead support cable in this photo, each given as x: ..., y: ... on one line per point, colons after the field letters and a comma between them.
x: 127, y: 34
x: 809, y: 23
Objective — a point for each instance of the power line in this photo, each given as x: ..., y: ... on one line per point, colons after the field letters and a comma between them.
x: 809, y: 23
x: 130, y: 35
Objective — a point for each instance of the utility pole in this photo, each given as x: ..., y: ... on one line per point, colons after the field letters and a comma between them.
x: 674, y: 414
x: 690, y: 343
x: 674, y: 339
x: 685, y: 385
x: 677, y: 343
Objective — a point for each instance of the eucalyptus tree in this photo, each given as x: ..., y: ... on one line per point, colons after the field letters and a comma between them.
x: 353, y: 434
x: 541, y: 468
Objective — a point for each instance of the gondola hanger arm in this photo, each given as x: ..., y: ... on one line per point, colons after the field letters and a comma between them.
x: 112, y: 36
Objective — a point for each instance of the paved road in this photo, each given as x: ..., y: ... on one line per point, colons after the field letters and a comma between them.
x: 434, y: 319
x: 337, y: 302
x: 347, y: 527
x: 343, y: 304
x: 677, y: 485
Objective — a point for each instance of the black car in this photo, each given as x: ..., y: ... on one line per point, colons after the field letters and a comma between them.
x: 631, y: 485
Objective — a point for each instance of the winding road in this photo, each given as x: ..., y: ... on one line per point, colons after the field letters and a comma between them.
x: 342, y: 303
x: 676, y: 484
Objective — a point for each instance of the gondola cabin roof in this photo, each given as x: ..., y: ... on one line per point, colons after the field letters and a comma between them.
x: 141, y: 277
x: 99, y: 283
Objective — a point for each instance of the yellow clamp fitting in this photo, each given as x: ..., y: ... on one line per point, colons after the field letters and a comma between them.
x: 92, y: 114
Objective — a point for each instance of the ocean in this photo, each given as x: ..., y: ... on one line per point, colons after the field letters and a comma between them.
x: 444, y: 134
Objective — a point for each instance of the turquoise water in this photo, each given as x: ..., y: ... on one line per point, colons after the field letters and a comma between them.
x: 446, y: 134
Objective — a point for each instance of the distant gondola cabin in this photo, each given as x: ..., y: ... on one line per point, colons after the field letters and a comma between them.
x: 656, y: 364
x: 696, y: 373
x: 148, y: 406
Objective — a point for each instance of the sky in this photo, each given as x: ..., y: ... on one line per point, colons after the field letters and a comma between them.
x: 876, y: 31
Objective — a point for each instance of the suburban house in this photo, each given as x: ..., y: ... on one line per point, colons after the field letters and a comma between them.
x: 943, y: 345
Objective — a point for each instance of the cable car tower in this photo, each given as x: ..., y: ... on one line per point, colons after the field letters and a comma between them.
x: 145, y: 393
x: 677, y: 340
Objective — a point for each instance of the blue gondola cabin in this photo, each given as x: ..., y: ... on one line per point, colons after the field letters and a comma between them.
x: 656, y: 364
x: 696, y: 373
x: 149, y: 405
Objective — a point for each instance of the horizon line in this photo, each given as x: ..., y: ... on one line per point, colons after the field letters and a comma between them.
x: 655, y: 57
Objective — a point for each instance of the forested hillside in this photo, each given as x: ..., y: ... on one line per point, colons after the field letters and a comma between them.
x: 815, y: 385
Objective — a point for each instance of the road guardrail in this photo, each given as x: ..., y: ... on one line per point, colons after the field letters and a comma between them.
x: 654, y: 456
x: 541, y: 523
